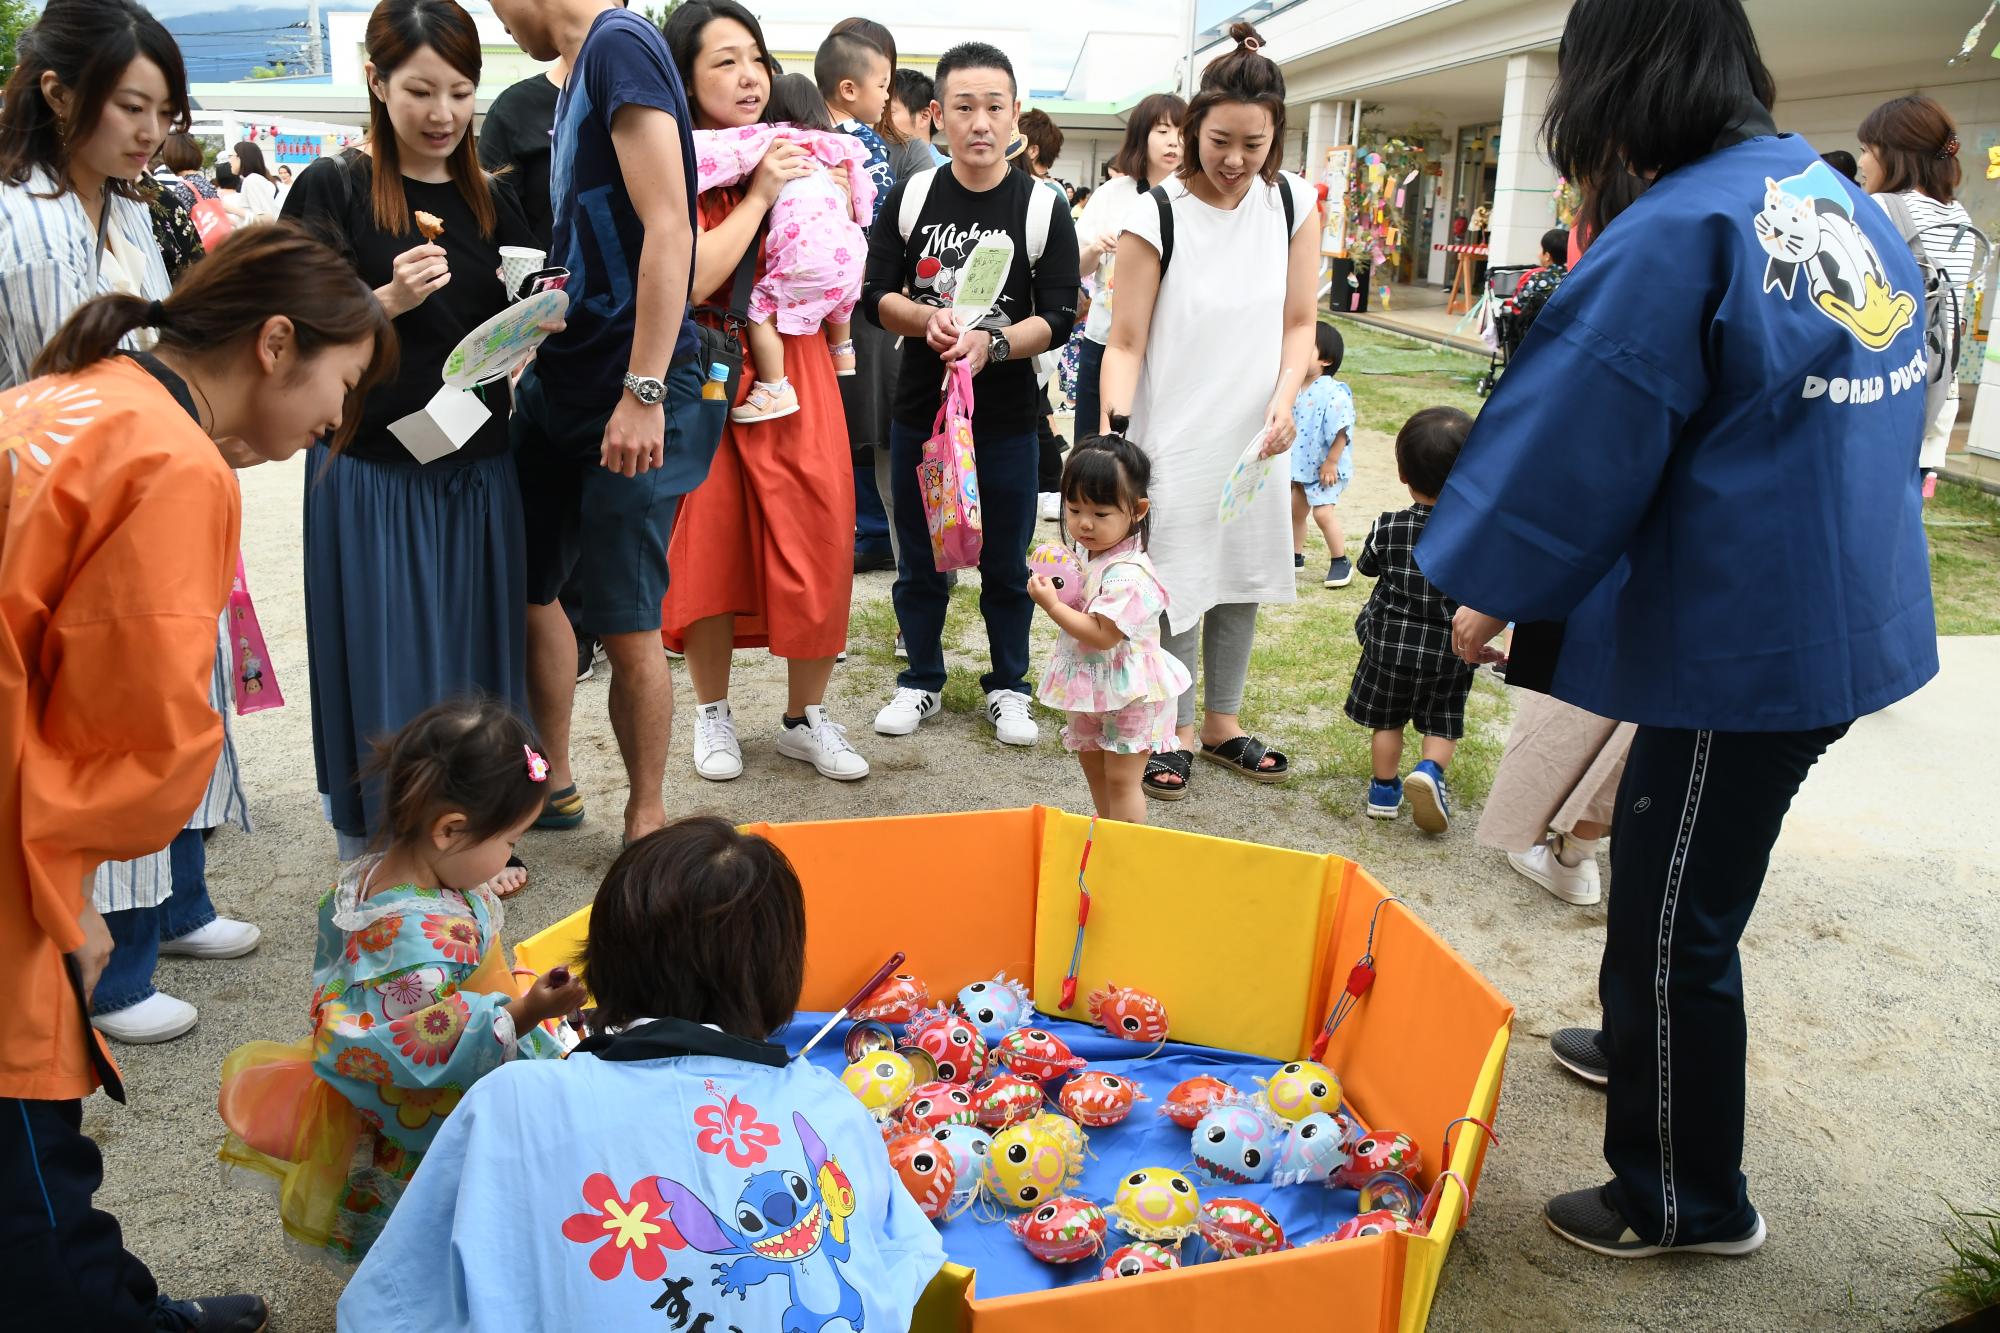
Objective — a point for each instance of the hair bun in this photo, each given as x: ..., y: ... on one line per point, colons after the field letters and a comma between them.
x: 1246, y: 36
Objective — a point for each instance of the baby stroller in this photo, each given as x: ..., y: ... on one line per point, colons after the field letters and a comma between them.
x: 1501, y: 326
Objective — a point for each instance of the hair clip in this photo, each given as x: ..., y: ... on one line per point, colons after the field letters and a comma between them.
x: 538, y: 767
x: 1950, y: 148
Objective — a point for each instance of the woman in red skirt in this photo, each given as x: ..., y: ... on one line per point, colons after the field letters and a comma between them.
x: 762, y: 551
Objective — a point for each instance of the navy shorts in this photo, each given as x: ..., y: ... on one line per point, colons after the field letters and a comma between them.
x: 609, y: 531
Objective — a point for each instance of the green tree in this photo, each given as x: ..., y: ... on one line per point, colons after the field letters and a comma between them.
x: 274, y: 70
x: 15, y: 18
x: 656, y: 15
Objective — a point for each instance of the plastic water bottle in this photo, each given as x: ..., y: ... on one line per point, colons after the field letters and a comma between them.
x: 717, y: 387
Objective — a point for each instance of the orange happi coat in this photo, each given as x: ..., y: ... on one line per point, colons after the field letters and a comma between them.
x: 118, y: 533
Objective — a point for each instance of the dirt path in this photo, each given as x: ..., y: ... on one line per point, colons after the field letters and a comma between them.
x: 1872, y: 1080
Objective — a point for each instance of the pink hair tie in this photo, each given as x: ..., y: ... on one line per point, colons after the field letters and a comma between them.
x: 1253, y: 43
x: 538, y: 767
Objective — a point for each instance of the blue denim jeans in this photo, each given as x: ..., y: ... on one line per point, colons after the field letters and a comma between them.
x: 1007, y: 517
x: 136, y: 934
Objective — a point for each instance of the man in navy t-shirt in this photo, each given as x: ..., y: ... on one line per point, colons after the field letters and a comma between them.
x: 609, y: 426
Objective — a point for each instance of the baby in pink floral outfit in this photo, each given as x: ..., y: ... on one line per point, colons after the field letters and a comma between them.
x: 814, y: 243
x: 1110, y: 672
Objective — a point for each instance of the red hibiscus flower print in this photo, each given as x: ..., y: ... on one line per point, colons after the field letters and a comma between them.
x: 429, y: 1036
x: 365, y: 1065
x: 733, y: 1130
x: 455, y: 937
x: 637, y: 1227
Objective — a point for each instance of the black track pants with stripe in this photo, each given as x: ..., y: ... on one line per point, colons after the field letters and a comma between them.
x: 1698, y: 813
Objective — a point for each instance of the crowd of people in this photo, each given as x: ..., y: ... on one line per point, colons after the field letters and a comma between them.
x: 760, y: 269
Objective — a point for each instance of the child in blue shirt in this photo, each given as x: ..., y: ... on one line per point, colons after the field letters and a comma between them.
x: 1323, y: 457
x: 678, y: 1161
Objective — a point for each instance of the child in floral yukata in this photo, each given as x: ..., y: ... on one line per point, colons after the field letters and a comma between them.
x: 413, y: 999
x: 1119, y: 686
x: 680, y: 1170
x: 814, y: 243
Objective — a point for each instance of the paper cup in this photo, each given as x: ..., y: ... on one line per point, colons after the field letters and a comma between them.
x: 517, y: 263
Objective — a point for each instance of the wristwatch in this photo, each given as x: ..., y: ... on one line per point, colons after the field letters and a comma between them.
x: 646, y: 389
x: 1001, y: 349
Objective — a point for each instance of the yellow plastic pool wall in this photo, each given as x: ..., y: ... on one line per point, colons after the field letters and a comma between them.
x: 1246, y: 945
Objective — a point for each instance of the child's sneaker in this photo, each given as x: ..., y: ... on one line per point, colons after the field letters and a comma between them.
x: 1430, y: 805
x: 767, y: 402
x: 1340, y: 573
x: 1298, y: 560
x: 843, y: 358
x: 1385, y: 799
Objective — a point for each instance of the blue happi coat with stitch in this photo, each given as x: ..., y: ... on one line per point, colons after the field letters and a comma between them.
x: 1704, y: 458
x: 671, y: 1177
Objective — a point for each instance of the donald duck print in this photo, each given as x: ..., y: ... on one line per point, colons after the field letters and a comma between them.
x: 1807, y: 227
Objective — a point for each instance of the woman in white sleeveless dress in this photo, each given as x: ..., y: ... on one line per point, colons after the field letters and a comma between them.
x: 1207, y: 351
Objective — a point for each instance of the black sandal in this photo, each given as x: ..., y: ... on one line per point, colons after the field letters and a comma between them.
x: 1246, y: 755
x: 1180, y: 763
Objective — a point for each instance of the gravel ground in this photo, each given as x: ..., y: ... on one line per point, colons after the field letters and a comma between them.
x: 1869, y: 959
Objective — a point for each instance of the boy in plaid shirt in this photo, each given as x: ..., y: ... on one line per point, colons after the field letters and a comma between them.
x: 1408, y: 672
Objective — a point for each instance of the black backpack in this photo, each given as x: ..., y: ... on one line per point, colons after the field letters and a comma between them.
x: 1165, y: 205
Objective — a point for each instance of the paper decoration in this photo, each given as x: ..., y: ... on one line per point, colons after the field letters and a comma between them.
x: 442, y: 426
x: 503, y: 342
x: 1972, y: 37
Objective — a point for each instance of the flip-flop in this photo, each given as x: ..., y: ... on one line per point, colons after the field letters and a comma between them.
x: 513, y: 863
x: 1245, y: 755
x: 563, y: 810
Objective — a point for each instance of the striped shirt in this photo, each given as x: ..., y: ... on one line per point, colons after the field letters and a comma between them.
x: 49, y: 265
x: 1938, y: 232
x: 146, y: 882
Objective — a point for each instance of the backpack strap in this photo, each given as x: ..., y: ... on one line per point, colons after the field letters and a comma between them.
x: 1041, y: 207
x: 915, y: 191
x: 1166, y: 207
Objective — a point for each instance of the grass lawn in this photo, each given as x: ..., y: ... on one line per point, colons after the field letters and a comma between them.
x: 1392, y: 376
x: 1963, y: 525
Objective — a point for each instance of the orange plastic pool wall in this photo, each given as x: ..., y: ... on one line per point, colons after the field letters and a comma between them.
x: 1246, y: 945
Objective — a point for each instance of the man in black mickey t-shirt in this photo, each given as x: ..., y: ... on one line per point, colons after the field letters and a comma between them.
x: 914, y: 255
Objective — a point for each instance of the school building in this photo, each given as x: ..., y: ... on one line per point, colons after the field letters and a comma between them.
x: 1446, y: 97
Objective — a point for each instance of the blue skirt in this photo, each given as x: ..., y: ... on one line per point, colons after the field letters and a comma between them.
x: 416, y: 592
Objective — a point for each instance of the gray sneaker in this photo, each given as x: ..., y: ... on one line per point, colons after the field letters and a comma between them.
x: 1581, y: 1052
x: 1340, y: 573
x: 1588, y: 1218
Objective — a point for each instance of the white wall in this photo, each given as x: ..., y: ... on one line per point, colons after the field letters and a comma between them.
x: 1830, y: 122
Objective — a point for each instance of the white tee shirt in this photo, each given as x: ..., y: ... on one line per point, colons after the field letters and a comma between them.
x: 1949, y: 250
x: 1212, y: 362
x: 1104, y: 216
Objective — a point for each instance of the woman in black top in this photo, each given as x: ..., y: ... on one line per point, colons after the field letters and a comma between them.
x: 415, y: 572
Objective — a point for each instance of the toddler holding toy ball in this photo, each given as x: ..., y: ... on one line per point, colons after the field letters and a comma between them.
x: 413, y: 999
x: 1109, y: 672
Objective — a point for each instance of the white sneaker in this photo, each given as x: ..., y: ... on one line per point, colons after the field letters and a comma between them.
x: 1012, y: 722
x: 1051, y: 506
x: 902, y: 714
x: 220, y: 938
x: 158, y: 1017
x: 1577, y: 884
x: 717, y: 755
x: 822, y: 743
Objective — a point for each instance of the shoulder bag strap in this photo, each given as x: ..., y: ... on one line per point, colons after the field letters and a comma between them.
x: 1166, y: 207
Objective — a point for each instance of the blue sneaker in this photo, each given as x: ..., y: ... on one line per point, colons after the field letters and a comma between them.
x: 1385, y: 799
x: 1430, y: 804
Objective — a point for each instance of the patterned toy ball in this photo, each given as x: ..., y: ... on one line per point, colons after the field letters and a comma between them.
x: 1378, y: 1150
x: 1156, y: 1204
x: 1036, y: 1053
x: 1237, y: 1228
x: 1006, y: 1099
x: 927, y: 1171
x: 1095, y: 1099
x: 1190, y: 1100
x: 1301, y: 1088
x: 1377, y: 1223
x: 881, y: 1081
x: 1065, y: 1230
x: 1236, y: 1143
x: 1027, y: 1166
x: 935, y: 1104
x: 952, y: 1042
x: 1141, y: 1256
